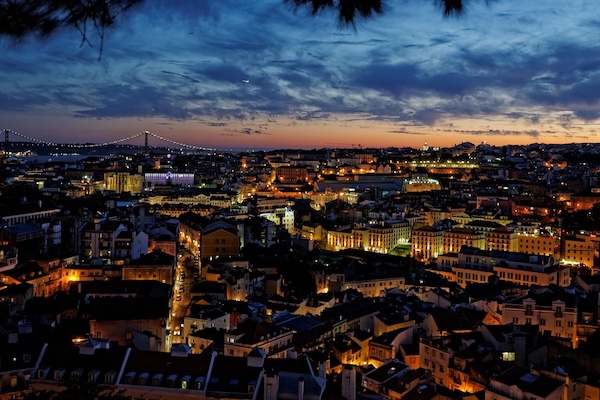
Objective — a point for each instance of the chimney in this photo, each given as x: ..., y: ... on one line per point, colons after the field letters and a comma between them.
x: 271, y: 385
x: 349, y: 383
x: 301, y: 388
x: 322, y: 369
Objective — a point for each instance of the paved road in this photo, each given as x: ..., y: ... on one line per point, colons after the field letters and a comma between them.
x: 181, y: 300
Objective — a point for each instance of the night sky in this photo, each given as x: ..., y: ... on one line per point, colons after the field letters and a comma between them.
x: 253, y: 74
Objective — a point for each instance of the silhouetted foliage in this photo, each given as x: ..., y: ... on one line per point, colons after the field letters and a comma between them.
x: 19, y: 18
x: 349, y: 11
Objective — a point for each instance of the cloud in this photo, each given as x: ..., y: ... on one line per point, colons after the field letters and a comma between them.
x: 178, y: 60
x: 125, y: 101
x: 245, y: 132
x: 496, y: 132
x: 405, y: 132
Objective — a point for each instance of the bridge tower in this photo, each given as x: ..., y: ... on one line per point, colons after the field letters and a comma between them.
x: 6, y: 141
x: 146, y: 133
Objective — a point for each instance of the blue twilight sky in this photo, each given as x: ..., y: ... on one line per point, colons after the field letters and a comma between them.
x: 235, y: 73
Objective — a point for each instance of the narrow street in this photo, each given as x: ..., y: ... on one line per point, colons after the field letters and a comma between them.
x: 181, y: 296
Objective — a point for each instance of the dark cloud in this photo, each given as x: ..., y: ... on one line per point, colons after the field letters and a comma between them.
x: 244, y: 132
x: 311, y: 116
x: 392, y: 79
x: 224, y: 73
x: 23, y: 101
x: 405, y: 132
x: 120, y: 101
x: 496, y: 132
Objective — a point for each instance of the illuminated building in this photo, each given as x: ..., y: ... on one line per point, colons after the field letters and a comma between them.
x: 426, y: 243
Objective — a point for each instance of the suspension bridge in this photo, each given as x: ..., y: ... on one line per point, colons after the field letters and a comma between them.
x: 145, y: 134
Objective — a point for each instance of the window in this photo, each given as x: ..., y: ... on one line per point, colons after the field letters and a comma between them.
x: 558, y: 323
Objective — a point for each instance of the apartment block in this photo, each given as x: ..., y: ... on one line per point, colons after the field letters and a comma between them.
x: 543, y: 245
x: 473, y: 265
x: 502, y: 238
x: 554, y: 317
x: 455, y: 238
x: 427, y: 243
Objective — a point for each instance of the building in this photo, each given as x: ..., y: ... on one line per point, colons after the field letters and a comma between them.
x: 290, y: 174
x: 581, y: 249
x: 174, y: 375
x: 387, y: 345
x: 347, y: 238
x: 542, y: 245
x: 281, y: 216
x: 421, y: 185
x: 553, y: 316
x: 155, y: 266
x: 153, y: 179
x: 520, y: 383
x: 123, y: 182
x: 435, y: 356
x: 473, y: 265
x: 427, y: 243
x: 584, y: 200
x: 376, y: 380
x: 8, y: 257
x: 27, y: 214
x: 219, y: 239
x: 385, y: 236
x: 374, y: 287
x: 503, y: 239
x: 98, y: 239
x: 115, y: 319
x: 254, y: 333
x: 210, y: 317
x: 455, y: 238
x: 130, y: 245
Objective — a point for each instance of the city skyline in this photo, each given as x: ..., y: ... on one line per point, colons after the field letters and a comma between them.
x: 224, y: 74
